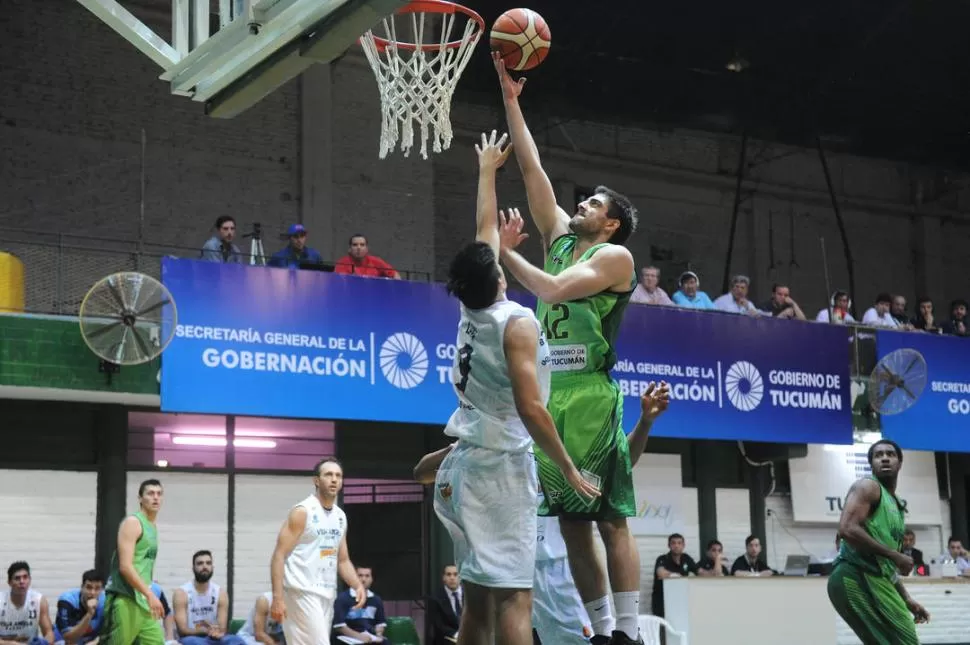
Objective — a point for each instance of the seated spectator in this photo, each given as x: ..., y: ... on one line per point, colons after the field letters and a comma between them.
x: 79, y: 611
x: 909, y: 548
x: 673, y: 564
x: 202, y: 607
x: 648, y: 291
x: 898, y: 312
x: 24, y: 613
x: 924, y: 320
x: 359, y: 261
x: 957, y: 554
x: 712, y: 563
x: 751, y: 563
x: 296, y: 252
x: 688, y: 295
x: 879, y: 315
x: 957, y: 325
x: 366, y: 624
x: 444, y: 610
x: 736, y: 301
x: 260, y: 626
x: 781, y: 304
x: 219, y: 247
x: 839, y: 314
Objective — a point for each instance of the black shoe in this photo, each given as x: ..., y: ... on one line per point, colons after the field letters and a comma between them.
x: 620, y: 638
x: 600, y: 639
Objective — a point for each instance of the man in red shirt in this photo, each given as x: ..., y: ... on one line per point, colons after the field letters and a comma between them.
x: 359, y: 262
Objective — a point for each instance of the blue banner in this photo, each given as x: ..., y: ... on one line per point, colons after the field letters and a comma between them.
x: 285, y: 343
x: 939, y: 418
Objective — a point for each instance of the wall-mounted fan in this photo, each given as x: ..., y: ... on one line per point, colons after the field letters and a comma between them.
x: 128, y: 318
x: 897, y: 381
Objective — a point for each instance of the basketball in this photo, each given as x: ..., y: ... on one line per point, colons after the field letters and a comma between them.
x: 522, y: 37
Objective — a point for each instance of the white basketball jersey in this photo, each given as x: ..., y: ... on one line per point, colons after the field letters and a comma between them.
x: 486, y: 414
x: 272, y: 628
x: 202, y: 607
x: 20, y: 622
x: 312, y: 565
x: 549, y: 542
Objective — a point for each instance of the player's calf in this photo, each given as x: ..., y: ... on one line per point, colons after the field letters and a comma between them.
x: 513, y: 621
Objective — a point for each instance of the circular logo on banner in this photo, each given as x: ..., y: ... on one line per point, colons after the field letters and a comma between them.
x: 744, y: 386
x: 404, y: 361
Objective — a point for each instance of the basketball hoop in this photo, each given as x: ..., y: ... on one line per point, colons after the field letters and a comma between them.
x: 417, y: 79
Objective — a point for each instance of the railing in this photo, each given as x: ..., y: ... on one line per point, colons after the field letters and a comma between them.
x: 60, y: 268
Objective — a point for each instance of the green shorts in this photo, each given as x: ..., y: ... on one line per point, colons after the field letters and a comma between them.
x: 871, y: 606
x: 126, y: 621
x: 588, y: 412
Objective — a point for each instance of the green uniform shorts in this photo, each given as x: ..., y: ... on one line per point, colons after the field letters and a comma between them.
x: 871, y: 606
x: 126, y: 622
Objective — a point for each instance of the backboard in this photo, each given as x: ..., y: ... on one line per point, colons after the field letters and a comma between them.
x: 253, y: 47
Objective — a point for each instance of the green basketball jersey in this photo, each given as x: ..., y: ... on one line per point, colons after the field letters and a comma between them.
x: 143, y: 560
x: 581, y: 333
x: 886, y: 525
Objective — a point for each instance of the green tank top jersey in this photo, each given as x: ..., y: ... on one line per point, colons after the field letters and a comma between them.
x: 886, y: 525
x: 143, y: 560
x: 581, y: 333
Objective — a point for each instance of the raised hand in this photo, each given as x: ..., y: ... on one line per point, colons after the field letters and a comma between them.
x: 510, y: 88
x: 655, y: 400
x: 490, y: 152
x: 510, y: 229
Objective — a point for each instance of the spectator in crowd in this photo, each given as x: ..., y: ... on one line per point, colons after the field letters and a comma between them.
x: 359, y: 261
x: 909, y: 548
x: 712, y: 564
x: 673, y: 564
x: 648, y: 291
x: 219, y: 247
x: 898, y: 312
x: 736, y: 300
x: 751, y: 563
x: 79, y: 611
x: 688, y: 295
x: 260, y: 628
x: 445, y: 608
x: 366, y: 624
x: 878, y: 315
x: 202, y: 607
x: 781, y: 304
x: 24, y: 613
x: 958, y: 554
x: 839, y: 305
x: 957, y: 325
x: 924, y: 320
x: 296, y: 252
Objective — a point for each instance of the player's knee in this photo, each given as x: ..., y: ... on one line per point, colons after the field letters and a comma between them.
x: 613, y: 530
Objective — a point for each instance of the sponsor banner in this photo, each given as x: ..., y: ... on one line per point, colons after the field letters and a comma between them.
x: 940, y: 417
x: 285, y: 343
x: 821, y: 481
x: 659, y: 512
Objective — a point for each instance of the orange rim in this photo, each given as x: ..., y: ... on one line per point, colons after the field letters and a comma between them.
x: 431, y: 6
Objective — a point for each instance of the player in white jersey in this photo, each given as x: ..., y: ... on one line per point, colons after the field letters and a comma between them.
x: 260, y: 628
x: 558, y: 614
x: 24, y: 614
x: 486, y: 487
x: 311, y: 551
x: 202, y: 607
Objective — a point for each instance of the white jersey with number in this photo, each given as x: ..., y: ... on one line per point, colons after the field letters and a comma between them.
x: 312, y: 565
x: 202, y: 607
x: 486, y: 414
x: 20, y: 622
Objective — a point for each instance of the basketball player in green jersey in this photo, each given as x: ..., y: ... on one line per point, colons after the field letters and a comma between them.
x: 132, y: 611
x: 583, y: 292
x: 864, y: 586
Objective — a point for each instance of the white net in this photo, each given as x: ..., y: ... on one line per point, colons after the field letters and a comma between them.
x: 417, y: 79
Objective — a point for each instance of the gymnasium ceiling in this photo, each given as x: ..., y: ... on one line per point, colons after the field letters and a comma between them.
x: 885, y: 78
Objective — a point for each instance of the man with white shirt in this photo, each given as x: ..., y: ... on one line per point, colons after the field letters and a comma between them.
x: 879, y: 315
x: 736, y: 300
x: 202, y: 607
x: 838, y: 310
x: 311, y: 550
x: 648, y: 291
x: 958, y: 555
x: 260, y: 628
x: 24, y: 614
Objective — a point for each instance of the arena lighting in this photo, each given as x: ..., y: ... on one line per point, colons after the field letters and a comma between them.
x: 218, y: 442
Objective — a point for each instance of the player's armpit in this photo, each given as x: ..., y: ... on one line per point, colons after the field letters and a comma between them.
x: 609, y: 269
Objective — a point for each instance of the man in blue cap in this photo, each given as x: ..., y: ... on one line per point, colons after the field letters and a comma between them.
x: 296, y: 252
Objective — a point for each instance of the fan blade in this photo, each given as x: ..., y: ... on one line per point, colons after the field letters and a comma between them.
x: 116, y: 292
x: 155, y: 307
x: 103, y: 330
x: 141, y: 343
x: 908, y: 393
x: 912, y: 364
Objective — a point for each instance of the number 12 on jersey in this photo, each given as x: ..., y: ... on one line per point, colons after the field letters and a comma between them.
x: 557, y: 315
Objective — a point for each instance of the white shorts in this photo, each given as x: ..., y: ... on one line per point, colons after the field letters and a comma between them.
x: 558, y: 613
x: 487, y: 500
x: 308, y: 618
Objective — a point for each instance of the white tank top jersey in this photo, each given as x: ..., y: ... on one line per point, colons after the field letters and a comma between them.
x: 202, y: 607
x: 272, y: 628
x: 312, y: 565
x: 20, y: 622
x: 549, y: 542
x: 486, y: 414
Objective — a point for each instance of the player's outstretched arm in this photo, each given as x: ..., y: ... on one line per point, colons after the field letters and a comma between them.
x: 551, y: 220
x: 288, y: 536
x: 863, y: 496
x: 520, y: 344
x: 653, y: 403
x: 424, y: 472
x: 609, y: 269
x: 491, y: 156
